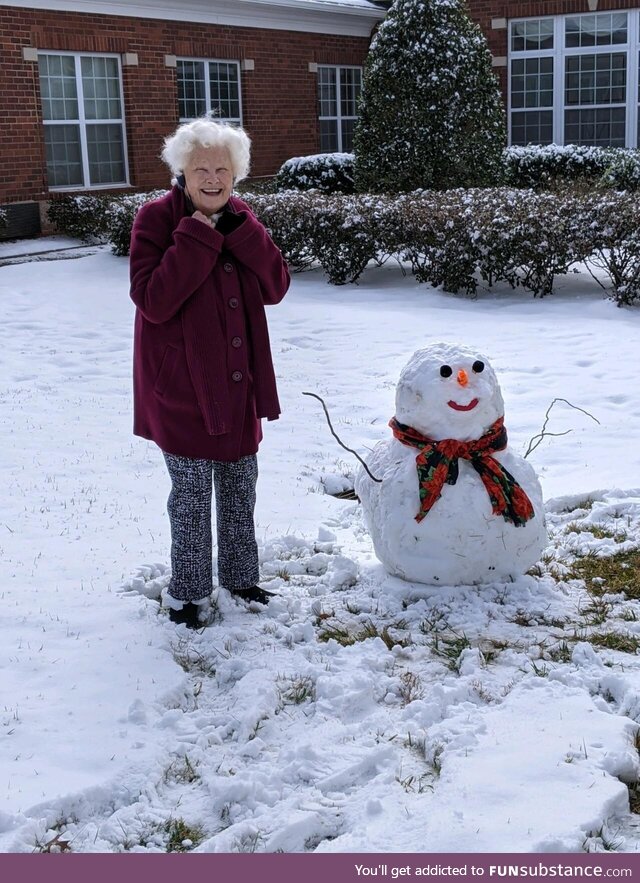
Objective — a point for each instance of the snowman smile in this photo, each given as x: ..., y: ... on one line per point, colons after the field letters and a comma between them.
x: 469, y: 407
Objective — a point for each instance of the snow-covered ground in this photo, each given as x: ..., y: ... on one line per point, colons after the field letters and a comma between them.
x: 358, y: 712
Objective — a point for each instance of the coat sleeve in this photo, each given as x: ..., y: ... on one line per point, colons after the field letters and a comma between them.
x: 164, y: 276
x: 252, y: 246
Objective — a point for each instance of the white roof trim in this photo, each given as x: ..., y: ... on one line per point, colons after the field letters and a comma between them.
x: 316, y: 16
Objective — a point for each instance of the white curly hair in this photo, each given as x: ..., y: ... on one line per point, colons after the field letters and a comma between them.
x: 206, y: 132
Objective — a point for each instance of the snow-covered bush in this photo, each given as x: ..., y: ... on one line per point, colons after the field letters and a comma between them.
x: 286, y: 217
x: 82, y: 217
x: 623, y: 171
x: 4, y: 220
x: 99, y: 218
x: 326, y: 172
x: 431, y: 112
x: 450, y: 238
x: 610, y: 220
x: 119, y: 216
x: 549, y: 165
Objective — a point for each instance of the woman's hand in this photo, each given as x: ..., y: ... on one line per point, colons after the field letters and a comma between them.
x: 199, y: 216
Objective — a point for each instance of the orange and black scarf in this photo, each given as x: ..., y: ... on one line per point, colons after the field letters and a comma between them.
x: 437, y: 463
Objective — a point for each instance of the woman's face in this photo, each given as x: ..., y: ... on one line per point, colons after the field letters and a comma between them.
x: 209, y: 178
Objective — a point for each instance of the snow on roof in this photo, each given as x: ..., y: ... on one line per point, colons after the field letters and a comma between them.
x: 350, y: 17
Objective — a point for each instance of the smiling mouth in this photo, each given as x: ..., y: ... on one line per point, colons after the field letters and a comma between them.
x: 469, y: 407
x: 212, y: 192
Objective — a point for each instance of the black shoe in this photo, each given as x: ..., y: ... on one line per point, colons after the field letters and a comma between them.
x: 187, y: 616
x: 254, y: 593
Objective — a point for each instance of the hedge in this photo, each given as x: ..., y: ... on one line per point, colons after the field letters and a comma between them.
x: 454, y: 239
x: 537, y: 167
x: 326, y: 172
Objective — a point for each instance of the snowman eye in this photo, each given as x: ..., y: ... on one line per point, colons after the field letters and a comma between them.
x: 478, y: 366
x: 446, y: 371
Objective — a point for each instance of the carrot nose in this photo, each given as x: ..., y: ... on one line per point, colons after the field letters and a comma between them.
x: 463, y: 377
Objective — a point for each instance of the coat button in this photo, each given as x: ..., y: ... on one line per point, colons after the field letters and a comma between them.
x: 236, y: 342
x: 233, y: 302
x: 236, y: 376
x: 228, y: 268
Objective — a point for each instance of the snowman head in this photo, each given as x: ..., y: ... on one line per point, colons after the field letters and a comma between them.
x: 448, y: 391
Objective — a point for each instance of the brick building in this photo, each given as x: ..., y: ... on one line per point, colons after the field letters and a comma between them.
x: 91, y: 87
x: 569, y: 68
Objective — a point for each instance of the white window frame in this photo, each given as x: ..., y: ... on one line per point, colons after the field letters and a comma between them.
x: 559, y: 53
x: 339, y: 117
x: 207, y: 86
x: 82, y: 123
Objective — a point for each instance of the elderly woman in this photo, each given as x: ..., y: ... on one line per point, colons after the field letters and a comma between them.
x: 202, y: 269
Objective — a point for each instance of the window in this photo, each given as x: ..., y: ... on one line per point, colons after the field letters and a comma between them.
x: 83, y: 120
x: 339, y: 90
x: 209, y: 87
x: 573, y: 78
x: 532, y: 90
x: 595, y: 99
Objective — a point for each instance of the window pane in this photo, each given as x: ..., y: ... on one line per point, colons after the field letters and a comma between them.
x: 327, y: 93
x: 64, y: 159
x: 101, y: 88
x: 58, y: 87
x: 191, y: 89
x: 348, y: 128
x: 532, y: 35
x: 225, y: 90
x: 328, y: 136
x: 603, y: 29
x: 106, y: 154
x: 532, y: 127
x: 603, y: 127
x: 596, y: 79
x: 350, y: 87
x: 534, y: 89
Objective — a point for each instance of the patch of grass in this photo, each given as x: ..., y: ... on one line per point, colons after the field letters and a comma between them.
x: 450, y: 649
x: 597, y: 531
x: 562, y: 652
x: 58, y: 843
x: 540, y: 671
x: 419, y: 784
x: 528, y: 619
x: 634, y: 797
x: 336, y: 633
x: 296, y: 689
x: 615, y: 641
x: 182, y: 837
x: 410, y: 687
x: 181, y: 770
x: 481, y: 692
x: 191, y: 660
x: 248, y: 843
x: 597, y: 612
x: 628, y: 614
x: 435, y: 622
x: 368, y: 630
x: 491, y: 648
x: 608, y: 842
x: 284, y: 574
x: 611, y: 574
x: 587, y: 504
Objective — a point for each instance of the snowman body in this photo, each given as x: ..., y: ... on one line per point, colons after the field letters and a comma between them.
x: 460, y: 541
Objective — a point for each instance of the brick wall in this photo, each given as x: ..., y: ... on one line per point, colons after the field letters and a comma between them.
x: 279, y: 95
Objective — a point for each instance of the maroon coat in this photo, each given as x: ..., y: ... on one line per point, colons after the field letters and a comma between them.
x: 202, y: 370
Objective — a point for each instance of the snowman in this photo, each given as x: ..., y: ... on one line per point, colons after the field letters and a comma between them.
x: 454, y: 506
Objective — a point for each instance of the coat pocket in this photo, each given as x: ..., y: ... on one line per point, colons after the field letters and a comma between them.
x: 166, y: 370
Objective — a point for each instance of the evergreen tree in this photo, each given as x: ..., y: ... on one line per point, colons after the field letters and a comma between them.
x: 431, y: 113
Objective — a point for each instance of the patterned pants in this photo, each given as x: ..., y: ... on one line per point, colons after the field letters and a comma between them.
x: 189, y: 508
